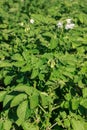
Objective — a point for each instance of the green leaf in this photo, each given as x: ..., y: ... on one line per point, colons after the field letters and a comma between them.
x: 59, y: 121
x: 53, y: 43
x: 7, y: 124
x: 81, y: 18
x: 77, y: 125
x: 29, y: 126
x: 8, y: 79
x: 67, y: 123
x: 42, y: 18
x: 75, y: 103
x: 41, y: 76
x: 47, y: 34
x: 1, y: 125
x: 7, y: 99
x: 29, y: 113
x: 44, y: 99
x: 2, y: 95
x: 68, y: 96
x: 26, y: 68
x: 3, y: 26
x: 17, y: 57
x: 34, y: 100
x: 85, y: 125
x: 5, y: 64
x: 21, y: 112
x: 84, y: 91
x: 24, y: 88
x: 34, y: 73
x: 63, y: 114
x: 19, y: 63
x: 68, y: 74
x: 84, y: 103
x: 66, y: 104
x: 18, y: 99
x: 26, y: 55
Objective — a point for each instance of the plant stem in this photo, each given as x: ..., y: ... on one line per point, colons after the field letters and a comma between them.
x: 42, y: 108
x: 53, y: 125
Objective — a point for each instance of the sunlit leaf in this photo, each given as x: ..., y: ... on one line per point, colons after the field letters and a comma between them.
x: 8, y: 79
x: 18, y: 99
x: 21, y: 112
x: 17, y: 57
x: 34, y: 100
x: 7, y: 124
x: 77, y: 125
x: 2, y: 95
x: 28, y: 126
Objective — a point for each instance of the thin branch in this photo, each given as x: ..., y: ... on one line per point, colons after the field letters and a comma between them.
x: 55, y: 108
x: 53, y: 125
x: 42, y: 108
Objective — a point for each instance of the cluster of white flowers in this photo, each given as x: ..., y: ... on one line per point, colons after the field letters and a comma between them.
x: 69, y: 24
x: 31, y: 21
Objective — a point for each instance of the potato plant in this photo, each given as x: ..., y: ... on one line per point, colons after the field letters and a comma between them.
x: 43, y: 65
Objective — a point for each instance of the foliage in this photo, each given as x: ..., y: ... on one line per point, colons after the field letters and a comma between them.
x: 43, y: 65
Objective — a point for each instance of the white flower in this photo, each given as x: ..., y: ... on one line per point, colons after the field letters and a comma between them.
x: 59, y: 25
x: 68, y: 20
x: 69, y: 26
x: 31, y: 21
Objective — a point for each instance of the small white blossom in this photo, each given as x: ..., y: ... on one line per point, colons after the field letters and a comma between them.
x: 59, y: 25
x: 69, y: 26
x: 31, y: 21
x: 68, y: 20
